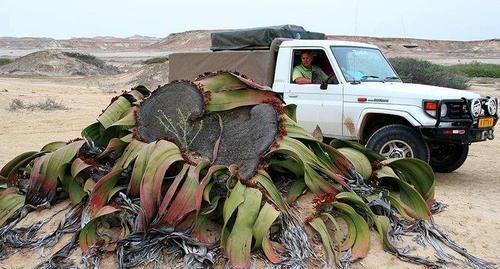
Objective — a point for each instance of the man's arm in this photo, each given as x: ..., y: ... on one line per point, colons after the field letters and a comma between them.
x: 302, y: 80
x: 298, y: 78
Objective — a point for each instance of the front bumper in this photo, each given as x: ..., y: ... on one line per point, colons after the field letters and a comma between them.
x: 457, y: 134
x: 464, y: 130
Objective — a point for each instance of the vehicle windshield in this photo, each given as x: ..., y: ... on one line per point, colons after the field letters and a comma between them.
x: 363, y: 64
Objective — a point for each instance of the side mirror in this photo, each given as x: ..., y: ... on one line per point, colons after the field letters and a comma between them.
x: 324, y: 85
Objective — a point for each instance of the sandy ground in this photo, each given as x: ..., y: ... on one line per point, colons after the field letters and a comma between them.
x: 472, y: 192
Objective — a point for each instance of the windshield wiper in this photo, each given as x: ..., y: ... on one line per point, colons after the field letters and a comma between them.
x: 370, y: 76
x: 363, y: 78
x: 390, y: 78
x: 375, y: 78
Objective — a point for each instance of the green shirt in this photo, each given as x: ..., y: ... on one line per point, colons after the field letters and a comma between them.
x: 301, y: 72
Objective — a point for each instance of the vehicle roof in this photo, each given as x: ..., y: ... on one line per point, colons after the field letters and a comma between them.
x: 323, y: 43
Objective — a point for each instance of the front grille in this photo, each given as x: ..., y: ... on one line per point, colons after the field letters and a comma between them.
x: 457, y: 110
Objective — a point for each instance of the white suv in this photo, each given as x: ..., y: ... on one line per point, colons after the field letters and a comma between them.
x: 364, y: 99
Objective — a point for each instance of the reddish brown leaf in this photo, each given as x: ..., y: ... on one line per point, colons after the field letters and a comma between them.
x: 102, y: 189
x: 163, y: 156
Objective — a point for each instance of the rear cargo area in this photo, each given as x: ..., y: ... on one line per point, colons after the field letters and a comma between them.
x: 258, y: 65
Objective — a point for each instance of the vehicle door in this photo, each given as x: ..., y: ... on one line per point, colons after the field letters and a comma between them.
x: 316, y: 106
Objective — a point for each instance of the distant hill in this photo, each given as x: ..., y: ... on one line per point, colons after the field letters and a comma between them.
x: 444, y: 51
x: 190, y: 40
x: 57, y: 63
x: 392, y: 47
x: 107, y: 43
x: 142, y: 37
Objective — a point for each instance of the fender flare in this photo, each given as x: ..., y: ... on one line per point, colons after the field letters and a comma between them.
x: 393, y: 112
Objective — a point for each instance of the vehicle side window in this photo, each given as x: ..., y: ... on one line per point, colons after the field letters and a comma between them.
x: 320, y: 64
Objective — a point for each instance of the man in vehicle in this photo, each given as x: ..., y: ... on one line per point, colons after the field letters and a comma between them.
x: 306, y: 72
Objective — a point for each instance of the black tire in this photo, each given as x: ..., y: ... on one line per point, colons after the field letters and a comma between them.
x: 403, y: 133
x: 447, y: 157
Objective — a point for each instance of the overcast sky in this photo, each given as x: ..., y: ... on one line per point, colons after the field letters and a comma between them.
x: 443, y: 19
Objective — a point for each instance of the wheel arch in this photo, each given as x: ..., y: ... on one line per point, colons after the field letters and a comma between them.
x: 373, y: 119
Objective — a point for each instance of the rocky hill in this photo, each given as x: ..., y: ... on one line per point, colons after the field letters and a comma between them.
x: 57, y: 63
x: 97, y: 43
x: 137, y: 48
x: 190, y: 40
x: 143, y: 47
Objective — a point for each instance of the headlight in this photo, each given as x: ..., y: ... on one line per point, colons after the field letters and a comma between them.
x: 444, y: 110
x: 492, y: 106
x: 430, y: 107
x: 475, y: 107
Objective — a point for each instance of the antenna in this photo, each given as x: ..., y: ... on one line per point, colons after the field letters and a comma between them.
x: 356, y: 19
x: 404, y: 26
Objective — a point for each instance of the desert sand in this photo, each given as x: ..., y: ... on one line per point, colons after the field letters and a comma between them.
x: 472, y: 193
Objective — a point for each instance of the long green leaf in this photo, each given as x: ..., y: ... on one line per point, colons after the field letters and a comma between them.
x: 14, y: 172
x: 227, y: 100
x: 213, y: 171
x: 131, y: 152
x: 10, y: 203
x: 172, y: 189
x: 263, y: 179
x: 316, y: 183
x: 227, y: 81
x: 351, y: 233
x: 319, y: 226
x: 355, y: 200
x: 140, y: 164
x: 77, y: 166
x: 310, y: 162
x: 12, y: 163
x: 128, y: 118
x: 53, y: 146
x: 103, y: 188
x: 235, y: 199
x: 43, y: 186
x: 291, y: 111
x: 385, y: 171
x: 114, y: 145
x: 88, y: 235
x: 223, y: 81
x: 362, y: 243
x: 200, y: 230
x: 268, y: 214
x: 98, y: 135
x: 286, y: 165
x: 416, y: 172
x: 187, y: 198
x: 294, y: 130
x: 405, y: 210
x: 295, y: 191
x: 162, y: 157
x: 114, y: 112
x: 415, y: 204
x: 71, y: 186
x: 370, y: 154
x: 239, y: 241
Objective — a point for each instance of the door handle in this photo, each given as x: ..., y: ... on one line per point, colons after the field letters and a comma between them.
x: 293, y: 96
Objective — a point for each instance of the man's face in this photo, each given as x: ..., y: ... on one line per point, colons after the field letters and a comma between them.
x: 306, y: 59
